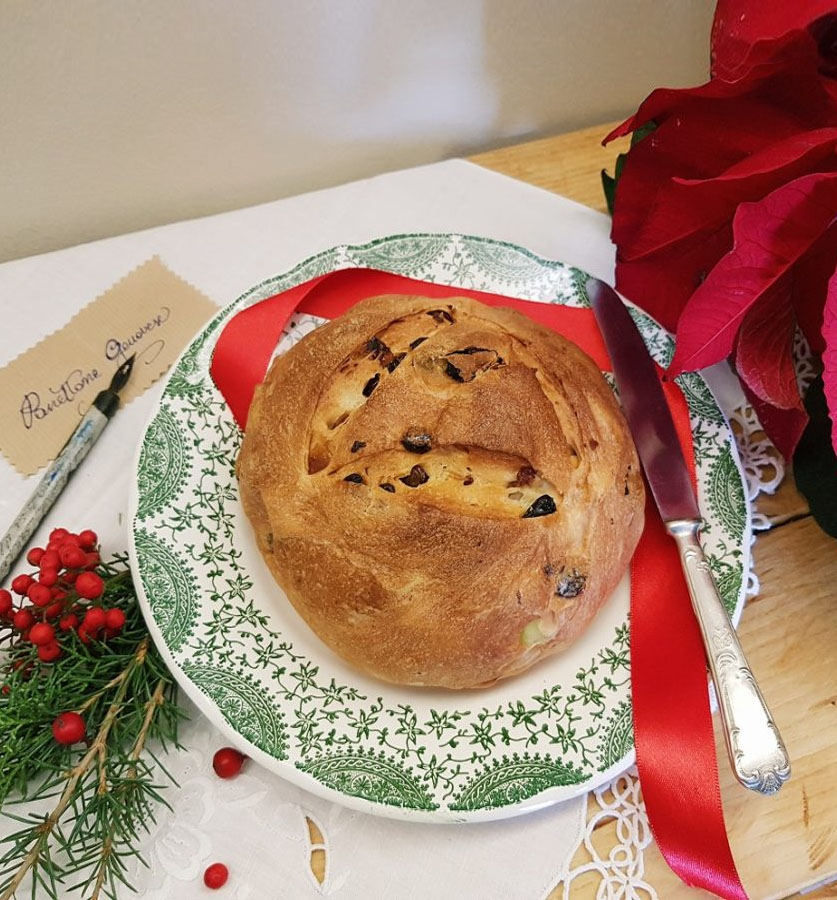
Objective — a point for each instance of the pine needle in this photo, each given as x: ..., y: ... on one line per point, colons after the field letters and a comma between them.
x: 106, y: 791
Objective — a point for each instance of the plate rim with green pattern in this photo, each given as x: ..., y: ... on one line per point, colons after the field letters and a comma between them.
x: 240, y: 652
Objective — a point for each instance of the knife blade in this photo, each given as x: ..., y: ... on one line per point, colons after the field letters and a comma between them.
x: 644, y: 405
x: 756, y: 751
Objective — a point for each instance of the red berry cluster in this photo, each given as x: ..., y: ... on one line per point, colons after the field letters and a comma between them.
x: 63, y: 597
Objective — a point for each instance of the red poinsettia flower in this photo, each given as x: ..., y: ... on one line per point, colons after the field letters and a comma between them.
x: 725, y: 213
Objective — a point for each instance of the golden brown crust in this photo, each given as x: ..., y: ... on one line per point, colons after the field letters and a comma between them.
x: 402, y: 490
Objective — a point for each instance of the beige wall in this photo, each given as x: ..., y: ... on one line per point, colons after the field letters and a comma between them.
x: 120, y: 114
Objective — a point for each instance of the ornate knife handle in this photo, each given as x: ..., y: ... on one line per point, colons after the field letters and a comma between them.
x: 755, y: 747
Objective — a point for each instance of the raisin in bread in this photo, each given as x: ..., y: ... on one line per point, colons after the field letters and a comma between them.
x: 447, y: 492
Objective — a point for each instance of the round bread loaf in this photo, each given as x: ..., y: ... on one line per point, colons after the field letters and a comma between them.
x: 446, y: 491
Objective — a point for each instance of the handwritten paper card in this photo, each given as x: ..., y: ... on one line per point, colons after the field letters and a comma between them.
x: 44, y: 392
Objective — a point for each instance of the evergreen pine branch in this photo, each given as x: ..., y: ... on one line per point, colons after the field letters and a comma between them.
x: 107, y: 791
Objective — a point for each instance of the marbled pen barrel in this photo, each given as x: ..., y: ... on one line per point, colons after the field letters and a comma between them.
x: 49, y: 487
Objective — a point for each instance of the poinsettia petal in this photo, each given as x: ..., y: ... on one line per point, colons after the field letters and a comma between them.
x: 719, y: 127
x: 787, y: 78
x: 783, y: 426
x: 650, y: 202
x: 824, y: 32
x: 829, y: 357
x: 662, y: 282
x: 764, y: 355
x: 810, y: 285
x: 741, y: 29
x: 663, y: 102
x: 683, y: 206
x: 770, y: 235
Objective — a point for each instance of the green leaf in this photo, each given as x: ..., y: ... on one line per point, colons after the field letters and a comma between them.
x: 609, y: 188
x: 815, y: 463
x: 609, y: 182
x: 642, y: 132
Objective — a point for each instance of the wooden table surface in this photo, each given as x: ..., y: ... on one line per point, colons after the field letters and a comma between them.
x: 786, y: 843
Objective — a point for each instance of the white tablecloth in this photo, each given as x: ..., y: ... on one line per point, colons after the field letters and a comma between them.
x: 256, y: 823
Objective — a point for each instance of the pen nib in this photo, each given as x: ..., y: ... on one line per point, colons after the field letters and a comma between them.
x: 121, y: 375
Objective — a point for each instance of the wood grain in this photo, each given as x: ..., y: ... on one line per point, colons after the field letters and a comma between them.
x: 829, y: 890
x: 787, y: 503
x: 785, y: 843
x: 569, y: 164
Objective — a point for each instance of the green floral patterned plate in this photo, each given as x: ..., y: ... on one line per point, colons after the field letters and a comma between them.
x: 251, y: 664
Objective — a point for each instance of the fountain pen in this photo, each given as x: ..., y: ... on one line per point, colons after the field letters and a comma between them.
x: 92, y: 424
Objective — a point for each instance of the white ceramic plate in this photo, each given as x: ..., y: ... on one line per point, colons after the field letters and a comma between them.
x: 241, y: 652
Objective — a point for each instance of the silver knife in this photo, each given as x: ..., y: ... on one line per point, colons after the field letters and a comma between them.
x: 756, y: 751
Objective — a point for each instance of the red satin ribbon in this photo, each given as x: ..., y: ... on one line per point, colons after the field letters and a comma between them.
x: 672, y: 721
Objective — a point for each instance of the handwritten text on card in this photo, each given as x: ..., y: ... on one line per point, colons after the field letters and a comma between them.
x: 151, y: 313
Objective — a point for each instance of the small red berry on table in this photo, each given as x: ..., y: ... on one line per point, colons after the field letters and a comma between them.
x: 227, y: 762
x: 57, y: 535
x: 68, y: 728
x: 216, y: 876
x: 6, y: 602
